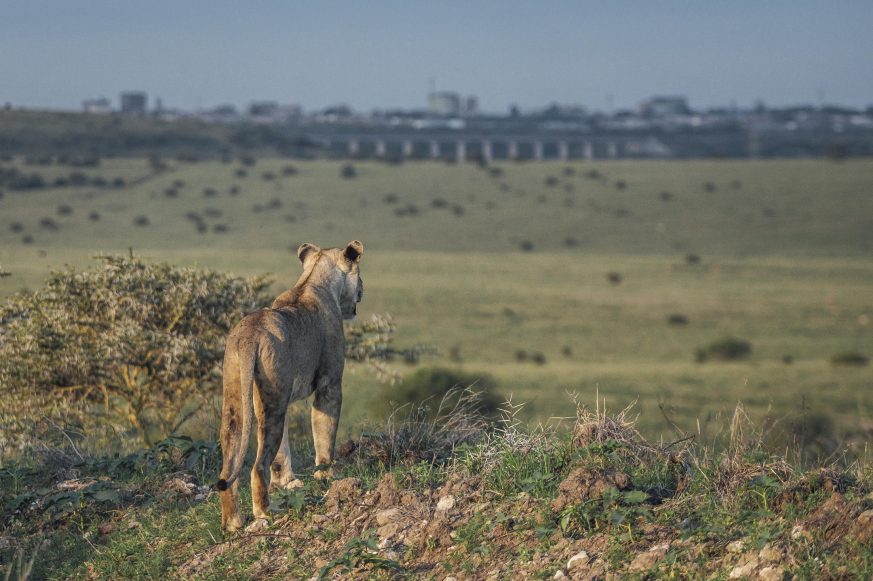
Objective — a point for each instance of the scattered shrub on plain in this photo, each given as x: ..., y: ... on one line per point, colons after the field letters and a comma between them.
x: 850, y: 358
x: 727, y: 349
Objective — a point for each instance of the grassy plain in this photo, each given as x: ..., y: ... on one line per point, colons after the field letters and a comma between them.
x: 486, y: 263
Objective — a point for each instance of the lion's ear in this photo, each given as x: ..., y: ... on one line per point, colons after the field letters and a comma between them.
x: 353, y: 251
x: 306, y: 249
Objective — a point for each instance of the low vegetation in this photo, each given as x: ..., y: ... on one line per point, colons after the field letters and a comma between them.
x: 459, y: 497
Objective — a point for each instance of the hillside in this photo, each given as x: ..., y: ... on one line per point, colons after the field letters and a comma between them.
x: 418, y: 501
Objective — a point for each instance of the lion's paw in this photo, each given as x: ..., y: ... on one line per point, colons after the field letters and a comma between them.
x: 326, y: 474
x: 258, y: 525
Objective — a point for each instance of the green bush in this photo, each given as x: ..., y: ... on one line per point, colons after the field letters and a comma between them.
x: 728, y: 349
x: 127, y: 347
x: 850, y: 358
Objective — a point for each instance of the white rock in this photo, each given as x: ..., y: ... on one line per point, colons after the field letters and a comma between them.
x: 579, y: 560
x: 559, y: 574
x: 446, y: 503
x: 735, y: 546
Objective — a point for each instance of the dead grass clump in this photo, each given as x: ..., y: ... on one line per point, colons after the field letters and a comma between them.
x: 414, y: 433
x: 743, y: 462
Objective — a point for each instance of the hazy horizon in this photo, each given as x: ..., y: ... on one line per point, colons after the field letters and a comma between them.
x: 383, y: 55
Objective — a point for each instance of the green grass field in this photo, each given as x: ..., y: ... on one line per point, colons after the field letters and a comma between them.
x: 485, y: 264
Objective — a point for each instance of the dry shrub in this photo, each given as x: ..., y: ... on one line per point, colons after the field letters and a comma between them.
x: 416, y: 433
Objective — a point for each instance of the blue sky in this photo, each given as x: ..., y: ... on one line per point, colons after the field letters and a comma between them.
x: 54, y: 53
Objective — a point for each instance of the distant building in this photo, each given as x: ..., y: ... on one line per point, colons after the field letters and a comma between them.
x: 444, y: 103
x: 471, y: 106
x: 268, y: 112
x: 666, y: 106
x: 134, y: 103
x: 99, y: 106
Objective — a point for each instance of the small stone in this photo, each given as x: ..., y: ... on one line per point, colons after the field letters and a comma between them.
x: 199, y: 497
x: 107, y: 528
x: 736, y: 546
x: 578, y: 560
x: 771, y: 574
x: 559, y: 574
x: 450, y: 578
x: 744, y: 570
x: 383, y: 517
x: 387, y: 531
x: 446, y: 503
x: 769, y: 555
x: 647, y: 560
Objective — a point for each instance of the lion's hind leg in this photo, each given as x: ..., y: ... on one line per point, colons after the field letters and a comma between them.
x: 282, y: 473
x: 271, y: 421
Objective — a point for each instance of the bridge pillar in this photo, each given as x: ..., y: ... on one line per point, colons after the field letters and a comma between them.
x: 612, y: 150
x: 434, y: 149
x: 407, y: 149
x: 538, y: 150
x: 461, y: 151
x: 353, y: 147
x: 563, y: 151
x: 588, y: 151
x: 380, y: 148
x: 512, y: 152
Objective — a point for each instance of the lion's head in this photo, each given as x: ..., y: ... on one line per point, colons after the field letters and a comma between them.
x: 341, y: 267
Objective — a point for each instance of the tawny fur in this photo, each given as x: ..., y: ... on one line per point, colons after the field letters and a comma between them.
x: 287, y: 352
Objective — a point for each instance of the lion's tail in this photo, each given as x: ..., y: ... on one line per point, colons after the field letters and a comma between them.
x: 234, y: 443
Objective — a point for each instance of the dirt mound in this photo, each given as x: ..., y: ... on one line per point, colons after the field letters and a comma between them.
x: 583, y: 484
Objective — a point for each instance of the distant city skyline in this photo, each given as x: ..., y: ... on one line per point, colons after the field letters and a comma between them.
x: 383, y: 55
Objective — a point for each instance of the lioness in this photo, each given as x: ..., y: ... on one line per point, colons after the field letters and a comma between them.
x: 287, y: 352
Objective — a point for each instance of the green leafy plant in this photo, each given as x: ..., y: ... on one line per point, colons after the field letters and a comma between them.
x: 359, y: 553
